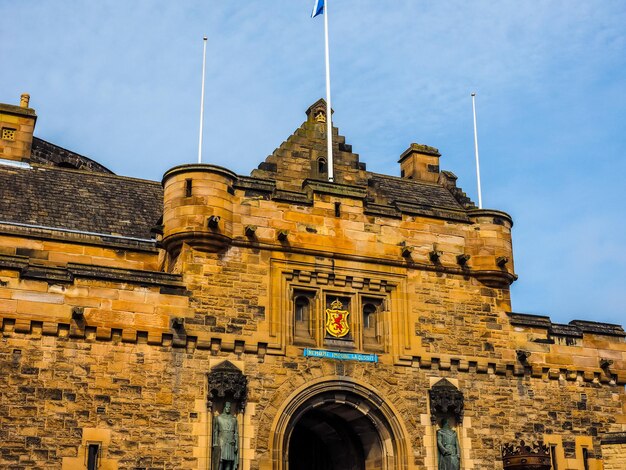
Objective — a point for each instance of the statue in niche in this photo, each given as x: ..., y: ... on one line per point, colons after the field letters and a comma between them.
x: 448, y: 446
x: 225, y: 440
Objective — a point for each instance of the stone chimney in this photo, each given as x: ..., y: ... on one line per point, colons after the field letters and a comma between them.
x: 17, y: 124
x: 420, y: 162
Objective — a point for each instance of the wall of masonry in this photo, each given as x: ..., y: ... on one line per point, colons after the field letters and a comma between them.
x: 123, y: 376
x: 150, y: 400
x: 614, y: 456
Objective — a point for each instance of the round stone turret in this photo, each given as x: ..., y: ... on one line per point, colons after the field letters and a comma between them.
x: 491, y: 247
x: 197, y: 207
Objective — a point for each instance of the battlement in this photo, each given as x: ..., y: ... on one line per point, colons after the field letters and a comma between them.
x: 422, y: 222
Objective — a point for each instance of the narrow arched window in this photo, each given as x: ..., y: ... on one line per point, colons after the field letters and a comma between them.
x: 322, y: 166
x: 302, y: 309
x: 303, y: 317
x: 372, y: 324
x: 369, y: 318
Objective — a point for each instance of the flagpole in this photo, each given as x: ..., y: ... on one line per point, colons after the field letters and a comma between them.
x: 480, y: 199
x: 202, y: 99
x: 329, y: 120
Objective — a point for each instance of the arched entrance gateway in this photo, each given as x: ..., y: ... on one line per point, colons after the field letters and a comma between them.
x: 338, y: 425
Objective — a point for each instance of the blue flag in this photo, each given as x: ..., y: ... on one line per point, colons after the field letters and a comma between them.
x: 318, y: 8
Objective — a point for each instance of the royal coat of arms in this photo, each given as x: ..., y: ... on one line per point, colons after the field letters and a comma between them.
x: 337, y: 320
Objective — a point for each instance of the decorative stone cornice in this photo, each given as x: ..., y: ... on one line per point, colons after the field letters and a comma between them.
x: 84, y: 238
x: 335, y: 189
x: 17, y: 110
x: 432, y: 211
x: 613, y: 438
x: 496, y: 279
x: 575, y: 328
x: 199, y: 167
x: 67, y: 274
x: 499, y: 217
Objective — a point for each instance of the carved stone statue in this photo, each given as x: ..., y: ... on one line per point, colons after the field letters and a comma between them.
x: 448, y: 445
x: 225, y: 440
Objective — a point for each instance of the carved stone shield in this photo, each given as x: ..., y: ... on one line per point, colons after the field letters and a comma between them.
x: 337, y: 320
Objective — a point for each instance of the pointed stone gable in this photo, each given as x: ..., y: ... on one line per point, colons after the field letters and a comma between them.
x: 304, y: 156
x: 301, y: 161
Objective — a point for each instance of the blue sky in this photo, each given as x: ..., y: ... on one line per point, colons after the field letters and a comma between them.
x: 119, y: 81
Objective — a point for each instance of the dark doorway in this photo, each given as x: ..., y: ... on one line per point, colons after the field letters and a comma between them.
x: 338, y: 425
x: 334, y: 437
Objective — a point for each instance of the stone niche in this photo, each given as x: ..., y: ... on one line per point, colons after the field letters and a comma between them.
x: 227, y: 383
x: 446, y: 401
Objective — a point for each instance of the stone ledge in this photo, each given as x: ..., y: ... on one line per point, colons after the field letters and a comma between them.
x: 16, y: 262
x: 528, y: 319
x: 565, y: 330
x: 50, y: 274
x: 334, y: 189
x: 198, y: 167
x: 17, y: 110
x: 382, y: 210
x: 598, y: 328
x: 613, y: 438
x: 67, y: 274
x: 135, y: 276
x: 166, y: 338
x: 432, y: 211
x: 575, y: 328
x: 292, y: 197
x: 496, y: 214
x: 108, y: 241
x: 255, y: 184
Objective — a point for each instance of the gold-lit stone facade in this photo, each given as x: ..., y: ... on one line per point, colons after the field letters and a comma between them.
x: 116, y: 310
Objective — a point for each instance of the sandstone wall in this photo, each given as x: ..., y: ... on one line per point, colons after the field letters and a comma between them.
x: 149, y: 403
x: 614, y: 451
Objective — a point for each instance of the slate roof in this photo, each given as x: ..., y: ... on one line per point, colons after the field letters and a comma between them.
x: 104, y: 203
x: 49, y: 154
x: 396, y: 189
x: 80, y: 200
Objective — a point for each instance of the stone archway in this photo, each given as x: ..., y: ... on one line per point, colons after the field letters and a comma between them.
x: 338, y: 425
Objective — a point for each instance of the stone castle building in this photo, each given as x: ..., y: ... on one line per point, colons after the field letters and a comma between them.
x: 344, y: 322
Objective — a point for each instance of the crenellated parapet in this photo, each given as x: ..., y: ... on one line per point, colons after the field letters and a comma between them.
x: 420, y: 221
x: 389, y: 221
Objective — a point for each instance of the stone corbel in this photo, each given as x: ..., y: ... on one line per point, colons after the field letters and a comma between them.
x: 463, y: 259
x: 605, y: 364
x: 522, y: 356
x: 435, y: 255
